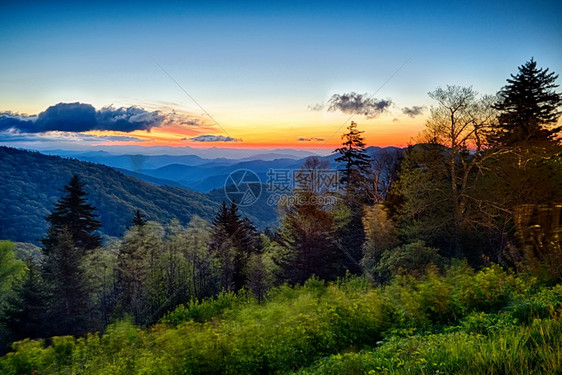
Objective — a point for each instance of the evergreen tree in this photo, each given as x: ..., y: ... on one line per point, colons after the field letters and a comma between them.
x: 139, y: 219
x: 137, y: 272
x: 356, y: 164
x: 355, y: 158
x: 529, y: 107
x: 69, y: 237
x: 233, y: 240
x: 76, y: 215
x: 67, y: 300
x: 308, y: 230
x: 26, y: 309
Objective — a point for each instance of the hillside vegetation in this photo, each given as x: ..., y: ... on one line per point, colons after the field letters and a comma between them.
x: 490, y: 322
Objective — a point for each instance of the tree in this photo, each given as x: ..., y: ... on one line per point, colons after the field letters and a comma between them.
x: 354, y: 157
x: 139, y: 219
x: 381, y: 236
x: 529, y: 107
x: 67, y: 301
x: 308, y: 231
x: 76, y: 215
x: 69, y: 237
x: 137, y: 272
x: 439, y: 176
x: 356, y: 166
x: 25, y: 315
x: 233, y: 240
x: 11, y: 269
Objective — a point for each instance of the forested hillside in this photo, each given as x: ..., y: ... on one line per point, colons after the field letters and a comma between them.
x: 32, y: 183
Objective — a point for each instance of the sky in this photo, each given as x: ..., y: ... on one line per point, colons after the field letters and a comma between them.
x: 249, y: 75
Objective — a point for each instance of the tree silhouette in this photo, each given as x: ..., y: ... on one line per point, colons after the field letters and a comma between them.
x: 355, y: 158
x: 529, y: 107
x: 139, y: 219
x: 76, y: 215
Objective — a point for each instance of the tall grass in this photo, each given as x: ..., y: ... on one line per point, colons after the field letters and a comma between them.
x: 449, y: 322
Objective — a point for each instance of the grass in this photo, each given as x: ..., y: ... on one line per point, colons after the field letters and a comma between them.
x: 491, y: 321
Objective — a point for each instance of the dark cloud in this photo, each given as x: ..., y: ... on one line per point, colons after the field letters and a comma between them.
x: 80, y: 117
x: 127, y: 119
x: 413, y: 111
x: 213, y: 138
x: 354, y: 103
x: 312, y: 139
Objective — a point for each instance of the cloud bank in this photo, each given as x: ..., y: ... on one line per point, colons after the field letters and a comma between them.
x: 213, y: 138
x: 81, y: 117
x: 353, y: 103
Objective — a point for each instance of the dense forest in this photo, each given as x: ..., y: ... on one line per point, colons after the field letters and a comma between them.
x: 446, y: 258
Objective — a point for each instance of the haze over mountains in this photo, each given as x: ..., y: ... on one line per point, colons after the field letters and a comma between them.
x: 196, y: 172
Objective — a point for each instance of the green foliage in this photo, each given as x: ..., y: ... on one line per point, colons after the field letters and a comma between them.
x: 519, y: 350
x: 11, y: 271
x: 233, y: 241
x: 207, y: 309
x: 411, y: 259
x: 10, y: 267
x: 411, y: 326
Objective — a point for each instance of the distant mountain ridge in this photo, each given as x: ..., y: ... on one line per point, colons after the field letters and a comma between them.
x: 196, y: 173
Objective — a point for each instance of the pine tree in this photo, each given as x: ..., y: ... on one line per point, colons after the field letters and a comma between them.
x: 139, y: 219
x: 356, y: 164
x: 69, y: 237
x: 355, y: 158
x: 67, y: 289
x: 233, y: 240
x: 26, y: 309
x: 529, y: 107
x: 307, y: 231
x: 74, y: 213
x: 136, y: 272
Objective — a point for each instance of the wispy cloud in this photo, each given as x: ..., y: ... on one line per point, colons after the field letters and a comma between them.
x: 174, y: 118
x: 317, y: 107
x: 311, y: 139
x: 413, y: 111
x: 56, y: 136
x: 213, y: 138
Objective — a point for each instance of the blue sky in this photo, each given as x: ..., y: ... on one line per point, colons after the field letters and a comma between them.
x: 256, y: 67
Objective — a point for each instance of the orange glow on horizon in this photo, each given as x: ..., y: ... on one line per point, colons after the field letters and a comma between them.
x: 311, y: 137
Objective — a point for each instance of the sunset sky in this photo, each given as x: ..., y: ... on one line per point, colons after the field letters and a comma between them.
x: 252, y: 74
